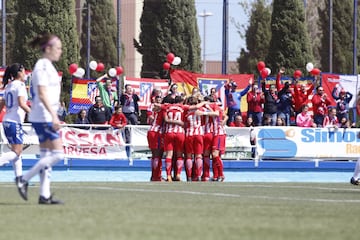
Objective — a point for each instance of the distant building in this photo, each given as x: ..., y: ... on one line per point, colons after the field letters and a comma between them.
x: 214, y: 67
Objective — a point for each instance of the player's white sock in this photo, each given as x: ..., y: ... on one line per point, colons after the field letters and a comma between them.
x: 44, y: 152
x: 47, y: 161
x: 45, y: 175
x: 8, y: 156
x: 357, y: 169
x: 17, y: 166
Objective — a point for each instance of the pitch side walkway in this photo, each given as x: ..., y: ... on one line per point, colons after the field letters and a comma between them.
x: 143, y: 175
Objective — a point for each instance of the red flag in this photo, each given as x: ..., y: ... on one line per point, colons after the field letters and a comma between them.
x: 144, y: 87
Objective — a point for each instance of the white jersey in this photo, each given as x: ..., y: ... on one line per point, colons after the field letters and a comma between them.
x: 14, y: 90
x: 44, y: 74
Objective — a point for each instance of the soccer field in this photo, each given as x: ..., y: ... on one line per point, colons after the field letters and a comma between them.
x: 181, y: 210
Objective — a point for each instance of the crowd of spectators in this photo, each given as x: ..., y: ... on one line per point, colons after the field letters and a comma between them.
x: 281, y: 104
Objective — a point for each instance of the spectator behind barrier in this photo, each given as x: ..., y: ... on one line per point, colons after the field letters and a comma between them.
x: 230, y: 95
x: 118, y: 119
x: 304, y: 119
x: 82, y: 118
x: 107, y: 93
x: 238, y: 122
x: 342, y: 98
x: 320, y: 104
x: 99, y: 113
x: 255, y: 99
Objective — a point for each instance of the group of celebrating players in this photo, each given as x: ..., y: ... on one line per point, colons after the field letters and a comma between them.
x: 188, y: 132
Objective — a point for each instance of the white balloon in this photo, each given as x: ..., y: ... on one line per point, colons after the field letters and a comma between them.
x: 268, y: 70
x: 112, y: 72
x: 93, y: 65
x: 176, y: 61
x: 80, y: 72
x: 309, y: 67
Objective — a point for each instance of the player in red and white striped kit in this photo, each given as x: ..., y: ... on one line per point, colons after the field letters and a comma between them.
x: 194, y: 132
x: 156, y: 141
x: 208, y: 137
x: 174, y: 136
x: 218, y: 144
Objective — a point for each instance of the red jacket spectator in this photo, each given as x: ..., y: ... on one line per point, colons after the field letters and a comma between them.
x: 320, y: 103
x: 301, y: 95
x: 118, y: 119
x: 234, y: 124
x: 255, y: 100
x: 238, y: 122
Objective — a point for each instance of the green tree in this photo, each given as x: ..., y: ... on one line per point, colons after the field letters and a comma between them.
x: 168, y: 26
x: 53, y: 16
x: 103, y: 34
x: 257, y: 37
x: 289, y: 44
x: 342, y: 37
x: 313, y: 27
x: 10, y: 31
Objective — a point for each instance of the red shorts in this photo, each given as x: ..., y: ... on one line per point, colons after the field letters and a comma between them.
x: 194, y: 144
x: 155, y: 140
x: 174, y: 141
x: 207, y: 141
x: 219, y: 143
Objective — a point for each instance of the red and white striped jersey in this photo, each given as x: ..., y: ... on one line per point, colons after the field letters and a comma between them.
x: 219, y: 129
x: 208, y: 120
x: 193, y: 124
x: 175, y: 112
x: 208, y: 124
x: 157, y: 124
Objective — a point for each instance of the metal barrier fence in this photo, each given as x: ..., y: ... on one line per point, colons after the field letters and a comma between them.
x: 102, y: 142
x: 128, y: 143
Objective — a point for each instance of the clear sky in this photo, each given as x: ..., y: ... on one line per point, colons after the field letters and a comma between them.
x: 213, y: 48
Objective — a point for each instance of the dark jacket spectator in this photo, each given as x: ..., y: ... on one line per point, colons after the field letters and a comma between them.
x: 130, y: 107
x: 99, y: 113
x: 271, y: 101
x: 82, y: 117
x: 342, y: 98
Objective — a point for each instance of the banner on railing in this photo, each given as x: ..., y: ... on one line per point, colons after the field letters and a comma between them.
x: 237, y: 143
x: 309, y: 143
x: 79, y: 143
x: 271, y: 143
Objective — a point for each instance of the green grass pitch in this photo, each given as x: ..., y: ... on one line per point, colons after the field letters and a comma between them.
x: 184, y: 211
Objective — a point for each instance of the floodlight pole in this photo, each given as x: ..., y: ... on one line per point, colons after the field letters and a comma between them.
x: 204, y: 15
x: 331, y: 36
x: 3, y: 33
x: 88, y: 42
x: 225, y: 37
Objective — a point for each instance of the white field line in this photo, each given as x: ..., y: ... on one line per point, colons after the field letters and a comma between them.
x: 226, y: 185
x: 228, y: 195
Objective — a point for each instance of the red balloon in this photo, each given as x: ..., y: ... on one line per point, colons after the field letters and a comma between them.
x: 100, y: 67
x: 119, y: 70
x: 170, y: 57
x: 315, y: 71
x: 72, y: 68
x: 264, y: 73
x: 166, y: 66
x: 260, y: 66
x: 297, y: 74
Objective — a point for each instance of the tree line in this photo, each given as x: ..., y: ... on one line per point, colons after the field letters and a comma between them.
x: 279, y: 32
